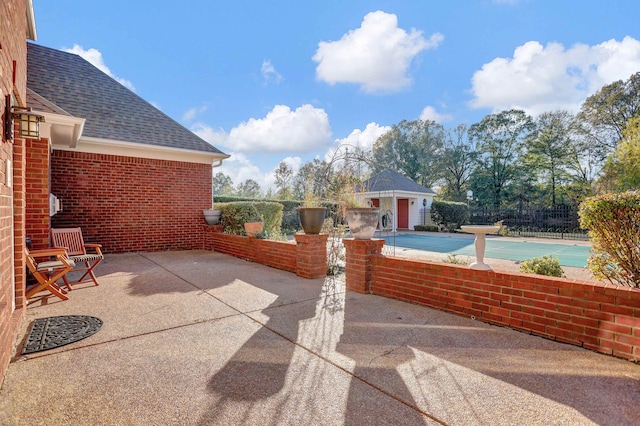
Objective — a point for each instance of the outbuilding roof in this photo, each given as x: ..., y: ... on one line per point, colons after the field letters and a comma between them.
x: 390, y: 180
x: 112, y: 112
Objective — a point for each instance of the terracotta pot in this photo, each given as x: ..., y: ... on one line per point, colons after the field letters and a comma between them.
x: 312, y: 219
x: 253, y: 228
x: 363, y: 222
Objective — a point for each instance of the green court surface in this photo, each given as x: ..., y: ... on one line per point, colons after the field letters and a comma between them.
x: 496, y: 248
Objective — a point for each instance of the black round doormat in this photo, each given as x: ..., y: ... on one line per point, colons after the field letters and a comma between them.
x: 52, y: 332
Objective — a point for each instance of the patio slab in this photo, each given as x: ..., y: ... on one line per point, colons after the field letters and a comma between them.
x: 203, y: 338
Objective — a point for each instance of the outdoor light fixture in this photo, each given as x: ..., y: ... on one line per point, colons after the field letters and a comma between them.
x: 29, y: 121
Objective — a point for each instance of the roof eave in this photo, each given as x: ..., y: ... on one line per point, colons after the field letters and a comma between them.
x: 395, y: 193
x: 61, y: 130
x: 131, y: 149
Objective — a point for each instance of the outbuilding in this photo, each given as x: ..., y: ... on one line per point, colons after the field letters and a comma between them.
x: 403, y: 203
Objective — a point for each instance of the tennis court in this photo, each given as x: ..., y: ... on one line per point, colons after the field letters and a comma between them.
x: 568, y: 254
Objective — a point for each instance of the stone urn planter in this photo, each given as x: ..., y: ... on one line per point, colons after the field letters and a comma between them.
x: 253, y: 228
x: 312, y: 219
x: 362, y: 222
x: 212, y: 217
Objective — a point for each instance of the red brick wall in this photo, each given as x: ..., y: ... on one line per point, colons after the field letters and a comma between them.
x: 277, y: 254
x: 596, y: 316
x: 306, y: 257
x: 13, y: 77
x: 131, y: 204
x: 38, y: 220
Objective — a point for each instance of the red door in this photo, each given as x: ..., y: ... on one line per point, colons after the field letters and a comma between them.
x: 403, y: 213
x: 375, y: 202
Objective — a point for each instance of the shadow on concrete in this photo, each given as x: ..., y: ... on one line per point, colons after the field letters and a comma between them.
x: 453, y: 368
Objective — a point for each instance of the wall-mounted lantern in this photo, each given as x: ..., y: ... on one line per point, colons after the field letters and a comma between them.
x: 28, y: 121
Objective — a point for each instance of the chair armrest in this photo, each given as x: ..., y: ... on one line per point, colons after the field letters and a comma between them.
x: 56, y: 251
x: 65, y: 260
x: 96, y: 247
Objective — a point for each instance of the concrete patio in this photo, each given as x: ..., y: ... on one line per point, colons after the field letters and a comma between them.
x: 199, y: 338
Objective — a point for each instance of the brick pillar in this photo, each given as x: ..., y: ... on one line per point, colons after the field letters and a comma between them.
x: 358, y: 264
x: 38, y: 221
x: 311, y: 255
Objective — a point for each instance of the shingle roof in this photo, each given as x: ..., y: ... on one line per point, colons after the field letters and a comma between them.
x: 112, y: 111
x: 39, y: 103
x: 390, y: 180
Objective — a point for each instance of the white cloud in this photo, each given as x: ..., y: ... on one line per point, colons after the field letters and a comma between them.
x: 269, y: 73
x: 539, y: 78
x: 239, y: 168
x: 282, y: 130
x: 192, y: 113
x: 377, y: 55
x: 94, y: 57
x: 306, y: 129
x: 363, y: 139
x: 217, y: 138
x: 430, y: 113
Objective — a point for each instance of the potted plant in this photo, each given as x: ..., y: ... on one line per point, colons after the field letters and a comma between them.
x: 361, y: 218
x: 211, y: 216
x: 311, y: 214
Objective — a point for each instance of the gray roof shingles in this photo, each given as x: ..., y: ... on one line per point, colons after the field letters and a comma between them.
x: 112, y: 111
x: 390, y: 180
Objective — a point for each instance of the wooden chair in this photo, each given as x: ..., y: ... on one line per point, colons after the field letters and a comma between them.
x: 71, y: 240
x: 47, y: 271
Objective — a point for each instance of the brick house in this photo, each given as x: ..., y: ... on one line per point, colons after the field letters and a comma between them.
x: 130, y: 176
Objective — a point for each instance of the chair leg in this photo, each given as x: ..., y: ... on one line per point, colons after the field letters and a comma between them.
x: 89, y: 271
x: 93, y: 277
x: 57, y: 291
x: 53, y: 288
x: 66, y: 283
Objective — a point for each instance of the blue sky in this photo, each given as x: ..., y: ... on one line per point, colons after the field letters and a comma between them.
x: 267, y: 81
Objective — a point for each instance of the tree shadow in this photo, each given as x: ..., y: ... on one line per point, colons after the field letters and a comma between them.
x: 457, y: 370
x: 258, y: 370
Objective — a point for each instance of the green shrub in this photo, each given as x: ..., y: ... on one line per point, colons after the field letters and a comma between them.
x: 235, y: 214
x: 426, y: 228
x: 454, y: 260
x: 449, y: 214
x: 613, y: 221
x: 290, y: 222
x: 545, y: 265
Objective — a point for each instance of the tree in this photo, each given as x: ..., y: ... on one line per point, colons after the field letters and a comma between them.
x: 622, y: 168
x: 549, y: 148
x: 249, y: 188
x: 222, y: 184
x: 605, y: 114
x: 413, y: 148
x: 311, y: 179
x: 283, y: 175
x: 458, y: 162
x: 499, y: 140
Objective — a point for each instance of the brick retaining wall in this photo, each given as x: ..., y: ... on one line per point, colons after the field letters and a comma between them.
x: 306, y: 256
x: 596, y: 316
